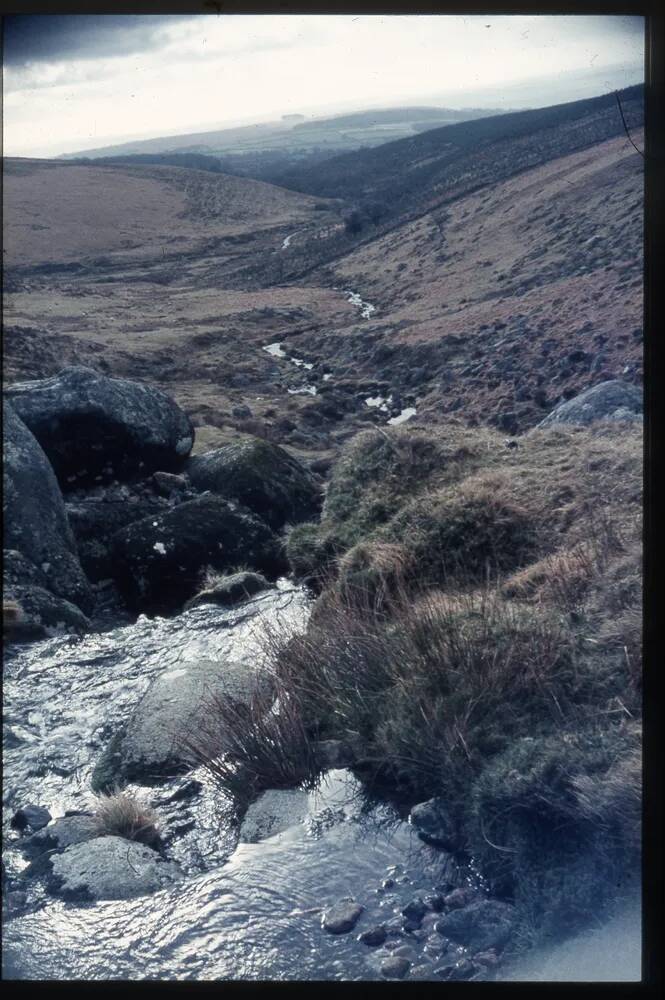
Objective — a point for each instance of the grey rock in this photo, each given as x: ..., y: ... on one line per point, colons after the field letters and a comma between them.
x: 485, y: 924
x: 273, y: 812
x: 63, y: 832
x: 433, y: 823
x: 260, y: 475
x: 241, y: 412
x: 342, y: 917
x: 395, y: 967
x: 374, y: 936
x: 152, y: 744
x: 34, y: 519
x: 167, y: 483
x: 613, y: 400
x: 232, y: 589
x: 415, y: 910
x: 158, y: 561
x: 43, y: 614
x: 110, y: 868
x: 30, y: 817
x: 86, y: 422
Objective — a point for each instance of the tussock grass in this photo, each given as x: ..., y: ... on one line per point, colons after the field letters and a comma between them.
x: 121, y: 815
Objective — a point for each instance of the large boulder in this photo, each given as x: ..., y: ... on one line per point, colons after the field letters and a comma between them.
x: 158, y: 561
x: 260, y: 475
x: 34, y: 518
x: 154, y: 741
x: 37, y: 612
x: 109, y: 868
x: 92, y: 426
x: 613, y: 400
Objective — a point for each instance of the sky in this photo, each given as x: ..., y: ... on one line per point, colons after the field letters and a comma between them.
x: 75, y: 82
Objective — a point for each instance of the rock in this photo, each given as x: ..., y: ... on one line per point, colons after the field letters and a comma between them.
x: 167, y: 483
x: 507, y: 421
x: 458, y: 897
x: 151, y: 745
x: 433, y: 824
x: 395, y: 967
x: 42, y: 614
x: 87, y: 422
x: 109, y: 868
x: 230, y: 590
x: 241, y: 412
x: 63, y: 832
x: 457, y: 972
x: 34, y: 519
x: 414, y: 910
x: 260, y: 475
x: 273, y: 812
x: 485, y: 924
x: 613, y: 400
x: 30, y: 817
x: 158, y: 561
x: 374, y: 936
x: 435, y: 902
x: 342, y: 917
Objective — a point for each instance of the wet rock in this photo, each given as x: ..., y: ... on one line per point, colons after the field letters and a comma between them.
x: 342, y: 917
x: 435, y: 902
x: 42, y: 614
x: 87, y: 422
x: 30, y: 817
x: 457, y: 971
x: 230, y: 590
x: 63, y: 832
x: 395, y: 967
x: 373, y: 936
x: 485, y: 924
x: 34, y: 519
x: 168, y: 483
x: 261, y: 476
x: 432, y: 821
x: 273, y: 812
x: 152, y: 744
x: 109, y: 868
x: 612, y: 400
x: 415, y: 910
x: 158, y: 561
x: 459, y: 897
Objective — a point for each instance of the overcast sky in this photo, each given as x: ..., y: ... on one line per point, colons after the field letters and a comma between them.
x: 73, y: 82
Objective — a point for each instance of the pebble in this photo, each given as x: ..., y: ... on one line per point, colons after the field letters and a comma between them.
x: 374, y: 936
x: 342, y: 917
x: 415, y: 910
x: 395, y: 967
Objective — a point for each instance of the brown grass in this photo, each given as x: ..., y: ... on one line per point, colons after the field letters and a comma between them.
x: 121, y: 815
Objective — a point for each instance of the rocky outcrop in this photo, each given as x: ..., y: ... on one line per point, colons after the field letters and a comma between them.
x: 34, y: 518
x: 158, y: 561
x: 109, y: 868
x: 260, y: 475
x: 153, y: 743
x: 613, y: 400
x: 92, y: 426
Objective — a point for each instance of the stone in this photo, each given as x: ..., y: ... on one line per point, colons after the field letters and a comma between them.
x: 261, y: 476
x: 87, y: 422
x: 158, y: 561
x: 395, y: 967
x: 167, y: 483
x: 63, y: 832
x: 433, y: 823
x: 458, y: 897
x: 415, y: 910
x: 153, y: 741
x: 484, y: 924
x: 435, y: 902
x: 229, y: 590
x: 109, y: 868
x: 611, y: 400
x: 35, y: 522
x: 42, y: 614
x: 373, y: 936
x: 30, y: 817
x: 342, y: 917
x: 241, y: 412
x: 273, y: 812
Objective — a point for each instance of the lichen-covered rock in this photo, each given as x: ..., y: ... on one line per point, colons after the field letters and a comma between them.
x: 612, y: 400
x: 157, y: 562
x: 109, y: 868
x: 229, y: 590
x: 260, y: 475
x: 153, y: 741
x: 90, y: 425
x: 34, y: 518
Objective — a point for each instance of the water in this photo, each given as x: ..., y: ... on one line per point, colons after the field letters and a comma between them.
x: 366, y: 308
x: 406, y: 414
x: 305, y: 390
x: 379, y: 401
x: 287, y: 241
x: 277, y: 351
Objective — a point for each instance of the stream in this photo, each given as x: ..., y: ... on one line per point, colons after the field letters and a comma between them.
x: 243, y: 910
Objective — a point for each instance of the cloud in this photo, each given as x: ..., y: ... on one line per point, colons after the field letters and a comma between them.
x: 44, y: 38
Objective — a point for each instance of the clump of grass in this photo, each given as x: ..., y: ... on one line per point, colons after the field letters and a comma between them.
x: 374, y: 572
x: 121, y: 815
x: 312, y: 551
x: 249, y: 746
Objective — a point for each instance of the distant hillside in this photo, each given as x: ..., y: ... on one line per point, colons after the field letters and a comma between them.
x: 425, y: 117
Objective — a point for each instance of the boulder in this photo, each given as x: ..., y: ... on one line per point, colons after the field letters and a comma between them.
x: 90, y: 425
x: 342, y: 917
x: 168, y: 483
x: 229, y: 590
x: 109, y: 868
x: 152, y: 744
x: 34, y: 518
x: 273, y: 812
x: 485, y: 924
x: 158, y: 561
x: 433, y: 823
x: 30, y: 817
x: 260, y: 475
x: 42, y: 614
x: 613, y: 400
x: 62, y: 833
